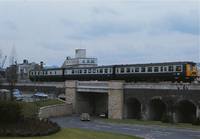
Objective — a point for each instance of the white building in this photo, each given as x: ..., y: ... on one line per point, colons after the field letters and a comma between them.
x: 80, y: 60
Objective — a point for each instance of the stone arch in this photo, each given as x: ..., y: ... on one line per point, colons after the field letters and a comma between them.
x: 132, y: 108
x: 185, y: 110
x: 156, y: 109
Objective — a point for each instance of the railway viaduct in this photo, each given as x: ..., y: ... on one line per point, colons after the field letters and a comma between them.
x: 126, y: 100
x: 129, y: 100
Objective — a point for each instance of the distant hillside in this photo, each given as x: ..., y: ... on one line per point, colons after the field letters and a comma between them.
x: 51, y: 67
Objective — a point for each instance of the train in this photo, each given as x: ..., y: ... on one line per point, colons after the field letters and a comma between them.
x: 151, y: 72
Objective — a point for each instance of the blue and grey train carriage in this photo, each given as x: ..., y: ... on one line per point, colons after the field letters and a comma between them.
x: 151, y: 72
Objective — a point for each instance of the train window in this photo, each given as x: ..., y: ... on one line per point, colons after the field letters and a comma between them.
x: 127, y: 70
x: 50, y: 73
x: 55, y: 72
x: 46, y: 72
x: 106, y: 71
x: 89, y: 70
x: 143, y: 69
x: 110, y: 70
x: 149, y: 69
x: 178, y: 68
x: 161, y: 69
x: 94, y: 70
x: 156, y: 69
x: 132, y: 70
x: 165, y: 68
x: 101, y: 70
x: 171, y: 68
x: 191, y: 68
x: 85, y: 70
x: 72, y: 71
x: 195, y: 68
x: 137, y: 69
x: 122, y: 70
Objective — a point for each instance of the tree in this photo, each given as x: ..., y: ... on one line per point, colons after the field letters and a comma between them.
x: 13, y: 56
x: 11, y: 72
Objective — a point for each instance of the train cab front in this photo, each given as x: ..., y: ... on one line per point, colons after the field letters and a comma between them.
x: 192, y: 71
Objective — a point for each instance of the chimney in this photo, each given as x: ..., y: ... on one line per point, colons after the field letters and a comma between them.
x: 41, y: 64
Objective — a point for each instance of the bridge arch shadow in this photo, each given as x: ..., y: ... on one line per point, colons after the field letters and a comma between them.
x: 132, y: 108
x: 156, y: 109
x: 186, y: 109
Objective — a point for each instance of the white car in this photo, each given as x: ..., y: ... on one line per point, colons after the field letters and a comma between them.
x: 40, y: 95
x: 17, y: 96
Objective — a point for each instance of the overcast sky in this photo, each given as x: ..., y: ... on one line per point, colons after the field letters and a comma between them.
x: 115, y: 32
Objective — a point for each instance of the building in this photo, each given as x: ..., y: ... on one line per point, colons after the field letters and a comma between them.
x: 80, y: 60
x: 19, y: 72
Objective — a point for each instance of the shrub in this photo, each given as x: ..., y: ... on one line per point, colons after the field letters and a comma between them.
x: 38, y: 133
x: 195, y: 120
x: 21, y: 134
x: 10, y: 112
x: 139, y: 116
x: 165, y: 118
x: 9, y: 133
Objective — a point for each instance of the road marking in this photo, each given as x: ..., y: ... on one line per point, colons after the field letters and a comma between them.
x: 195, y: 135
x: 130, y: 129
x: 103, y: 126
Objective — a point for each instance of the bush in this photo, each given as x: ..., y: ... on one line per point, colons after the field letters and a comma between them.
x: 139, y: 116
x: 195, y: 120
x: 9, y: 133
x: 38, y: 133
x: 21, y: 134
x: 10, y: 112
x: 165, y: 118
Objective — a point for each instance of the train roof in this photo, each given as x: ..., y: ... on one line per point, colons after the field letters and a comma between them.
x: 125, y: 65
x: 160, y: 64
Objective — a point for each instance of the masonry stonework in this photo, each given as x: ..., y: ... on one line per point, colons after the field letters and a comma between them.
x: 71, y: 93
x: 115, y: 99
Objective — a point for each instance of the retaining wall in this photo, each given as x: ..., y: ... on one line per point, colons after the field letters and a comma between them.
x: 55, y: 111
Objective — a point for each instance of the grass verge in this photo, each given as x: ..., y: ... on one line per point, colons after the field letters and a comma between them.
x: 150, y: 123
x: 70, y: 133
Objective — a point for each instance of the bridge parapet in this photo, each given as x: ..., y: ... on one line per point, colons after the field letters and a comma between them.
x: 45, y: 84
x: 164, y: 86
x: 92, y: 86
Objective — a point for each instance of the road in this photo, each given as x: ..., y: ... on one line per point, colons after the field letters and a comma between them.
x: 148, y: 132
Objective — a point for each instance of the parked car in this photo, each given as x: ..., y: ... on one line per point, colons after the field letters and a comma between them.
x: 85, y: 117
x: 104, y: 114
x: 16, y: 90
x: 17, y: 96
x: 40, y: 95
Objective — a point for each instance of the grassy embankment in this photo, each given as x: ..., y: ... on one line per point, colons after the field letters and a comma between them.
x: 69, y: 133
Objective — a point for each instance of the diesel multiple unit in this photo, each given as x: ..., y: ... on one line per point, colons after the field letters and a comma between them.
x: 151, y: 72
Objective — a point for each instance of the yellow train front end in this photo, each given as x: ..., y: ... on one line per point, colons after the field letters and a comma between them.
x: 191, y: 71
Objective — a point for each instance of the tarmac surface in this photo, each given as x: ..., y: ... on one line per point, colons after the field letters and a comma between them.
x: 147, y: 132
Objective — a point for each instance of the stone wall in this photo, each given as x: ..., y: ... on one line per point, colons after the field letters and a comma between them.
x: 55, y: 111
x: 115, y: 99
